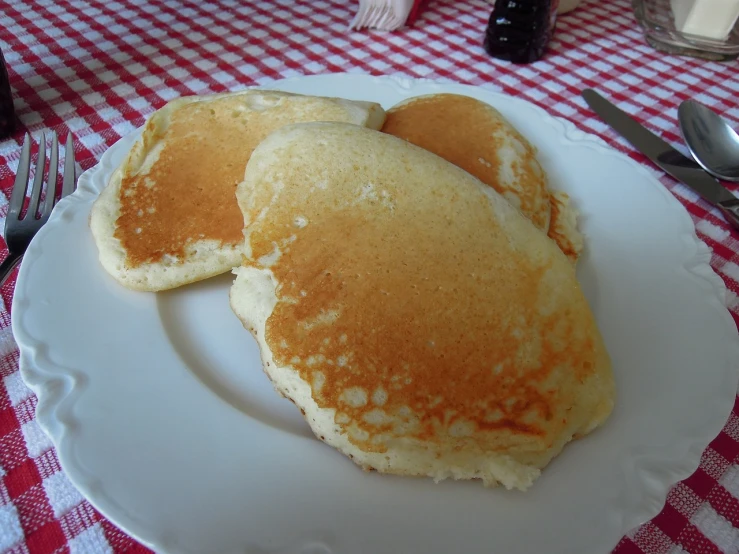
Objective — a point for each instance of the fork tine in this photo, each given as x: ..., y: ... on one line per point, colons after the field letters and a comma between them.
x: 53, y: 177
x: 69, y: 171
x: 21, y: 181
x: 38, y: 179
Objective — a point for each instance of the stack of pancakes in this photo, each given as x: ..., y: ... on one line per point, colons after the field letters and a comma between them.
x: 414, y: 295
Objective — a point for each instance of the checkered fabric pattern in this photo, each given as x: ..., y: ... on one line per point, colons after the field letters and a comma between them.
x: 98, y: 68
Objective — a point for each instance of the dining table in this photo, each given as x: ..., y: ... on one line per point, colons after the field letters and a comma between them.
x: 98, y: 68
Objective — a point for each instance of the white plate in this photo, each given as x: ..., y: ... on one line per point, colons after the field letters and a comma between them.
x: 163, y: 418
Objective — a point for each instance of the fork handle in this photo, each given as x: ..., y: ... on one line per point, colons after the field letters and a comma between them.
x: 7, y: 266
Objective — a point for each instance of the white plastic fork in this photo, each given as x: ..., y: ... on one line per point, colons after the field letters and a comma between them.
x: 19, y: 228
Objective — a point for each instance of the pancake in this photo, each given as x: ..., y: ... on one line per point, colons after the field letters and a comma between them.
x: 421, y: 324
x: 169, y: 216
x: 476, y: 137
x: 563, y: 226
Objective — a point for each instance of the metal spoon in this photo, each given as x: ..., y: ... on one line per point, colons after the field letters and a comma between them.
x: 710, y: 139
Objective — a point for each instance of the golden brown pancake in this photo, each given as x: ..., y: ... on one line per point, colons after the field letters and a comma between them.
x: 476, y: 137
x: 169, y: 216
x: 422, y: 324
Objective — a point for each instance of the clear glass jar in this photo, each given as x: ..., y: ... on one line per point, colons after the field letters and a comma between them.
x: 658, y: 22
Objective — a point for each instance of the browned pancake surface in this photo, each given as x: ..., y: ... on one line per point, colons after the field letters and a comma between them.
x: 188, y: 193
x: 472, y: 135
x: 409, y: 306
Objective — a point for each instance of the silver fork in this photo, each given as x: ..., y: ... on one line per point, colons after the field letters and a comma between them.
x: 20, y: 230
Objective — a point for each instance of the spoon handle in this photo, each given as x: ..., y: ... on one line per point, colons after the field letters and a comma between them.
x: 730, y: 209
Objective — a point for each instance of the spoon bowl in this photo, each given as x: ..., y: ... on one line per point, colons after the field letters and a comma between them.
x: 710, y: 139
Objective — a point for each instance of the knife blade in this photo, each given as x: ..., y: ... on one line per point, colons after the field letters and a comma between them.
x: 665, y: 156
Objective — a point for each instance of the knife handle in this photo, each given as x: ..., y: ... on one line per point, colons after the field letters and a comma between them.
x: 730, y: 209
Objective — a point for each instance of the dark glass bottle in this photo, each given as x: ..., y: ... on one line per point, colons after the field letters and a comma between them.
x: 519, y: 30
x: 7, y: 113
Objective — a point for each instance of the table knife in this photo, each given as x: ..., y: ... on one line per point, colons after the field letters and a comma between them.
x: 665, y: 156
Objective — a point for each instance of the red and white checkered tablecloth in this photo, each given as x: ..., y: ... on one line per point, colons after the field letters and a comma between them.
x: 97, y: 68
